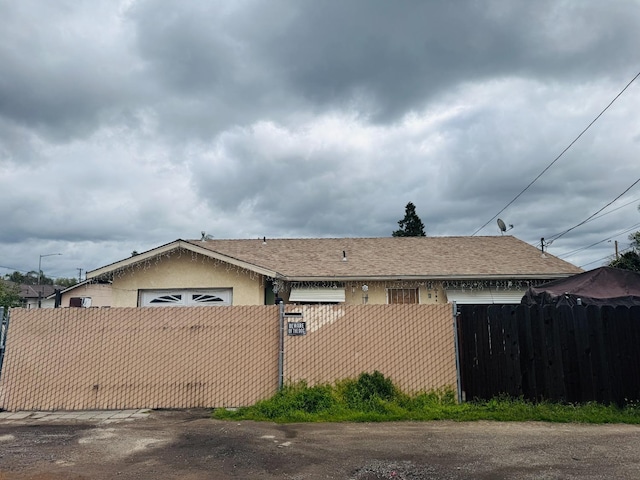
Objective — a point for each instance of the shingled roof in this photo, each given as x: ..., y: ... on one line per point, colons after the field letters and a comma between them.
x: 390, y: 257
x: 375, y: 258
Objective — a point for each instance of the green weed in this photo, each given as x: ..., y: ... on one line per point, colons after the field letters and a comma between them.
x: 374, y: 398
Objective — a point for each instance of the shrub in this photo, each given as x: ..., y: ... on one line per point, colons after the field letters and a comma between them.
x: 369, y: 392
x: 297, y: 398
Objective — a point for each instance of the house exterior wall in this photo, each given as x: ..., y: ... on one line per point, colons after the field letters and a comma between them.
x: 187, y: 271
x: 376, y: 293
x: 44, y: 303
x: 100, y: 294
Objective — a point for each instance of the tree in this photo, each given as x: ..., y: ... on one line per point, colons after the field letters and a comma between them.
x: 9, y: 294
x: 66, y: 282
x: 31, y: 278
x: 630, y: 260
x: 627, y: 261
x: 410, y: 225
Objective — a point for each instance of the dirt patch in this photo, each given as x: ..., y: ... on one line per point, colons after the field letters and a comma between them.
x: 189, y: 445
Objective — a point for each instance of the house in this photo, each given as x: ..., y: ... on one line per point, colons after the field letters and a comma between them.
x: 90, y: 293
x: 330, y: 270
x: 38, y: 296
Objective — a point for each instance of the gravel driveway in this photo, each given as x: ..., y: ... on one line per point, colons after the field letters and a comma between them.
x: 189, y: 445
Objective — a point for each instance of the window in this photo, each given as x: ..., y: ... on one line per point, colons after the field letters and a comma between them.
x: 80, y: 302
x: 402, y: 295
x: 317, y: 295
x: 209, y: 299
x: 173, y: 299
x: 185, y: 298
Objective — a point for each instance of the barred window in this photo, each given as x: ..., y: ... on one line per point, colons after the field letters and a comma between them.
x: 402, y: 295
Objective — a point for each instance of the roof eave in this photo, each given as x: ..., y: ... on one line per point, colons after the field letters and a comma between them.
x: 341, y: 278
x: 173, y: 246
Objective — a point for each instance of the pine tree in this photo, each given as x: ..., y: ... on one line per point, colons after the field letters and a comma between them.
x: 410, y: 225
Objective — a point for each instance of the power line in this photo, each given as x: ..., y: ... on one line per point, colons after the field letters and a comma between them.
x: 622, y: 232
x: 561, y: 154
x: 628, y: 249
x: 613, y: 210
x: 557, y: 236
x: 591, y: 220
x: 15, y: 269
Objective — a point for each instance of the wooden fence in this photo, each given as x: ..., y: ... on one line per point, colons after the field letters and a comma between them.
x: 568, y: 354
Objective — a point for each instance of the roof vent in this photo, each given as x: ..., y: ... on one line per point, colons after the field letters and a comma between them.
x: 344, y: 256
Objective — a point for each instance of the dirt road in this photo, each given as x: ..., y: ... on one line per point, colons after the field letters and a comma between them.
x: 188, y: 445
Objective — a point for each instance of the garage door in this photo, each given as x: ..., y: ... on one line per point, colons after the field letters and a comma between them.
x: 186, y: 298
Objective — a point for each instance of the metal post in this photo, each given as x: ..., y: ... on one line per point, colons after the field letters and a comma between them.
x: 4, y: 326
x: 281, y: 352
x: 41, y: 292
x: 457, y: 347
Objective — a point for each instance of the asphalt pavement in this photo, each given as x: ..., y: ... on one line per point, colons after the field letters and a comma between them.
x: 190, y: 445
x: 102, y: 416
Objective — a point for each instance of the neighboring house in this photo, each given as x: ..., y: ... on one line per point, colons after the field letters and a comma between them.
x: 331, y: 270
x: 38, y: 296
x: 85, y: 294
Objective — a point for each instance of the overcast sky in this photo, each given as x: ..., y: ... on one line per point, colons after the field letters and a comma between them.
x: 126, y: 125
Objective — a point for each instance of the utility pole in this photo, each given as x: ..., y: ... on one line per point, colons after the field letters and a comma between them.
x: 616, y: 244
x: 79, y: 274
x: 40, y: 289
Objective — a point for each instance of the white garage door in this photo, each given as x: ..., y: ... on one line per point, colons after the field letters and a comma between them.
x: 186, y: 298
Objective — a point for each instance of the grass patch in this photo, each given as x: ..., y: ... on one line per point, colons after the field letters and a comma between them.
x: 374, y: 398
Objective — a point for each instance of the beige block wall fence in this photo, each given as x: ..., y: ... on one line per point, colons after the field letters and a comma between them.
x: 185, y: 357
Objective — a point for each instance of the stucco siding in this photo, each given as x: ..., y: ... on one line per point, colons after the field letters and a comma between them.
x: 100, y: 294
x: 376, y: 293
x: 184, y: 272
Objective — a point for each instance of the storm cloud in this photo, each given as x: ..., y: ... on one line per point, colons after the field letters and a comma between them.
x: 125, y: 125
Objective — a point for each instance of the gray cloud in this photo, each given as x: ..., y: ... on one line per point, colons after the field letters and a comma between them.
x: 127, y: 125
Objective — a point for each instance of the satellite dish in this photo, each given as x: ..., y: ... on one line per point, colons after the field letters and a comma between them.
x: 503, y: 227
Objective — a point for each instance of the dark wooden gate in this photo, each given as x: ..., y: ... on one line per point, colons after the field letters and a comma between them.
x: 567, y: 354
